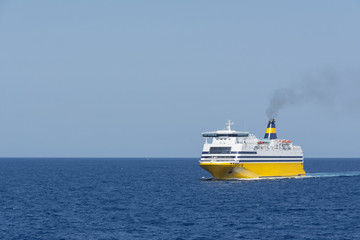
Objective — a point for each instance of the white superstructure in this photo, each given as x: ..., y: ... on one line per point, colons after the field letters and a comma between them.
x: 242, y: 147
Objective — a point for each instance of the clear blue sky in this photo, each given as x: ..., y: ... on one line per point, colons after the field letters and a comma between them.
x: 145, y: 78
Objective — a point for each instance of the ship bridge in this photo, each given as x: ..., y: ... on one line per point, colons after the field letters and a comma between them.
x: 226, y: 145
x: 226, y: 133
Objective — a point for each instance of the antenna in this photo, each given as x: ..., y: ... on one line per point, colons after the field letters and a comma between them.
x: 229, y: 123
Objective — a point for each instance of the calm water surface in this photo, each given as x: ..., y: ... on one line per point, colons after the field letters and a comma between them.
x: 173, y: 199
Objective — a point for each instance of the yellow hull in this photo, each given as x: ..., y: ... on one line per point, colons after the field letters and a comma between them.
x: 253, y: 170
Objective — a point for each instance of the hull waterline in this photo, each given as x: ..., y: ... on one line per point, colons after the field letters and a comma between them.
x: 253, y: 170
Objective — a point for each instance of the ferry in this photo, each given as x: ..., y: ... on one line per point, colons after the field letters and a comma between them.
x: 229, y: 154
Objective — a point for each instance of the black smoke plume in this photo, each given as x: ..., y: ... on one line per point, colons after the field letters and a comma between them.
x: 311, y: 89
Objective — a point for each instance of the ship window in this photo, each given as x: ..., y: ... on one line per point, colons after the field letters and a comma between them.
x: 217, y: 150
x: 219, y: 135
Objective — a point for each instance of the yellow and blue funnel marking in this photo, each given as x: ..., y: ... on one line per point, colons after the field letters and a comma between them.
x: 271, y: 130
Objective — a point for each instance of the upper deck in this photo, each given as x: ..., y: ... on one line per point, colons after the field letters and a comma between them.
x: 227, y: 136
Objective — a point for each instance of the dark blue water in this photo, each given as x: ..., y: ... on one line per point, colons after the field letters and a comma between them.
x: 168, y: 199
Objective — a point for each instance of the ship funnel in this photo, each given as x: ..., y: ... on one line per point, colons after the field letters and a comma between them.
x: 271, y: 130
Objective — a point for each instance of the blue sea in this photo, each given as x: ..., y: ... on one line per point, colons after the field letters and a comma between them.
x: 173, y: 198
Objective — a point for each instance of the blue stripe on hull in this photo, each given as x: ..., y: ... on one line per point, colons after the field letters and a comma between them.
x: 246, y: 152
x: 268, y: 161
x: 270, y: 156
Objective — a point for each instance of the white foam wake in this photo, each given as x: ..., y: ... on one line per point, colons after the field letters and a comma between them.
x: 332, y: 174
